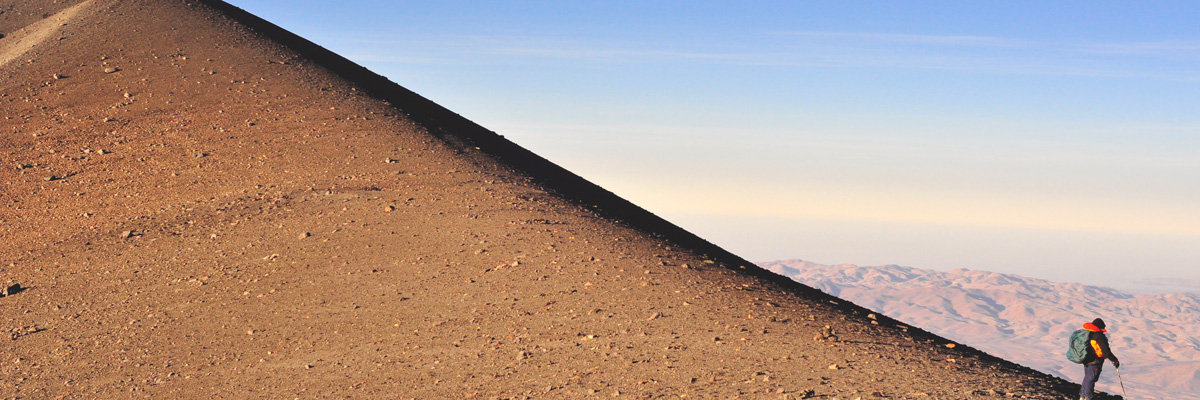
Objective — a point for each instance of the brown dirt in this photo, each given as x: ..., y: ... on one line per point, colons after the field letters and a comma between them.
x: 202, y: 205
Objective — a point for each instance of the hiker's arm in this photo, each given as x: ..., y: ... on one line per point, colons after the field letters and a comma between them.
x: 1103, y: 342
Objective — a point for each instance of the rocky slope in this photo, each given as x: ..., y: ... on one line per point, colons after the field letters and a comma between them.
x: 202, y: 205
x: 1028, y: 320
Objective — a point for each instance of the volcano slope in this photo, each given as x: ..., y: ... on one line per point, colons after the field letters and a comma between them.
x: 200, y: 204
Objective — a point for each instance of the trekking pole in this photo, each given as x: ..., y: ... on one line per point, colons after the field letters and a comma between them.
x: 1123, y: 395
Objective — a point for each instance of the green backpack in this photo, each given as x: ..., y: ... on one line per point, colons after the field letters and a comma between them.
x: 1078, y: 349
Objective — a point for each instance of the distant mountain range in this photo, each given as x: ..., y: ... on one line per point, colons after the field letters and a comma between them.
x: 1028, y: 320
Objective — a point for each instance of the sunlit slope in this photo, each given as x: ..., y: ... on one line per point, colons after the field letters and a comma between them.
x: 203, y: 205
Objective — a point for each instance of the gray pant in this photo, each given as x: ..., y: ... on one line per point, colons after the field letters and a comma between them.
x: 1091, y: 374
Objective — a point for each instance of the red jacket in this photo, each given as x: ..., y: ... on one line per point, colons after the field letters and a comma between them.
x: 1099, y: 346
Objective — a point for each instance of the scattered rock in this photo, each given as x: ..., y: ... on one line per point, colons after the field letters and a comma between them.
x: 834, y: 366
x: 389, y: 208
x: 11, y: 290
x: 126, y: 234
x: 305, y: 235
x: 59, y: 76
x: 826, y: 334
x: 951, y: 345
x: 16, y: 333
x: 110, y: 70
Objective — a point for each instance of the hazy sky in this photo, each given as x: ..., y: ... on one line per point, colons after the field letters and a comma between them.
x: 1059, y: 141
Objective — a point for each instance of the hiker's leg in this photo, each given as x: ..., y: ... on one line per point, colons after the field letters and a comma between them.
x: 1091, y: 374
x: 1088, y: 386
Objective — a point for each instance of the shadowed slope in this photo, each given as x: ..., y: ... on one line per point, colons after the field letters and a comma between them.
x: 206, y: 205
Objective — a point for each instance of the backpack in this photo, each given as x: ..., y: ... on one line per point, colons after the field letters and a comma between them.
x: 1077, y: 349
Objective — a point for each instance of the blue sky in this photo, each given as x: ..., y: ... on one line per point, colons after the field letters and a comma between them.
x: 1059, y: 140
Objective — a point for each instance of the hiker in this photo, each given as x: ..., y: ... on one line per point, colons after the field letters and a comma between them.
x: 1093, y: 361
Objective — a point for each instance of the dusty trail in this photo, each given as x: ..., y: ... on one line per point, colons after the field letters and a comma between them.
x: 13, y: 45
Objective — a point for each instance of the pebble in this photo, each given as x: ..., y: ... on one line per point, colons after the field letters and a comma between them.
x: 305, y: 235
x: 126, y: 234
x: 110, y: 70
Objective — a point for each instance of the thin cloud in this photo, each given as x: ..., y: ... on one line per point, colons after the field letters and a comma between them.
x: 1169, y: 49
x: 578, y: 52
x: 1166, y: 61
x: 911, y: 39
x: 469, y: 50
